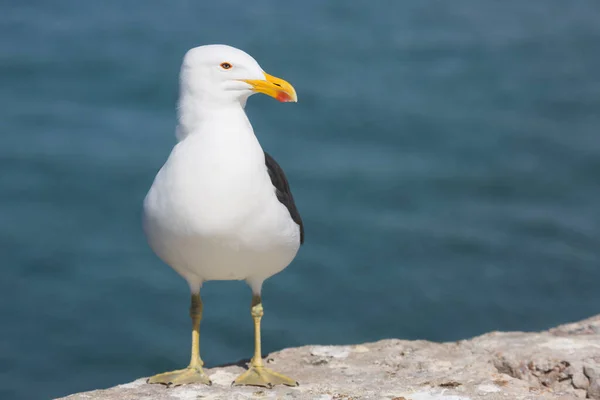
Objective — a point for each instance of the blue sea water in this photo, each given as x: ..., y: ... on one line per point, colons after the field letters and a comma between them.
x: 445, y: 157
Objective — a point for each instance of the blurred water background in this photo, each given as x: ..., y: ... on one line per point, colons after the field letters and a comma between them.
x: 445, y: 157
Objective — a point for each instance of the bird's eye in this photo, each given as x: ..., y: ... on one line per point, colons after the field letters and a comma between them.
x: 226, y: 65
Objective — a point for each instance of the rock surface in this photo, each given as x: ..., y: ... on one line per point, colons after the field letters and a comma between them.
x: 562, y: 363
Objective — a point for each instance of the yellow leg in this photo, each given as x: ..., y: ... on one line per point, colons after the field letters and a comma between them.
x: 194, y: 372
x: 258, y: 374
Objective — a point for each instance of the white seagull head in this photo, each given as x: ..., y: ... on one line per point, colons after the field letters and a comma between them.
x: 221, y: 75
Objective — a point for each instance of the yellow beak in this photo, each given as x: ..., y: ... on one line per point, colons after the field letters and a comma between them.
x: 274, y: 87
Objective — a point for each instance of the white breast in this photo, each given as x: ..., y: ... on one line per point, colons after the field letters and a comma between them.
x: 212, y: 212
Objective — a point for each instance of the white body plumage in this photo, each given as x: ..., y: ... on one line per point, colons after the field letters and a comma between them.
x: 212, y: 212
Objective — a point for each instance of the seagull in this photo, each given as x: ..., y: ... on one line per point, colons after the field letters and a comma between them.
x: 221, y: 208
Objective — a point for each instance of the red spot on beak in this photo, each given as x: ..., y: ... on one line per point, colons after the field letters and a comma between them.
x: 283, y: 97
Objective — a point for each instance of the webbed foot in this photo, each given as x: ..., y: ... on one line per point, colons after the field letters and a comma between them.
x: 185, y: 376
x: 261, y: 376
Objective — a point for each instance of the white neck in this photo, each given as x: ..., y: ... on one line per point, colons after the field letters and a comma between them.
x: 195, y: 113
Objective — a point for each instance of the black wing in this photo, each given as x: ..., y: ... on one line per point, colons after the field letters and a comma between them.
x: 283, y: 192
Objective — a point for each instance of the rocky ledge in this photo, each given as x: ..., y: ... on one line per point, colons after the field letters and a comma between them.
x: 562, y: 363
